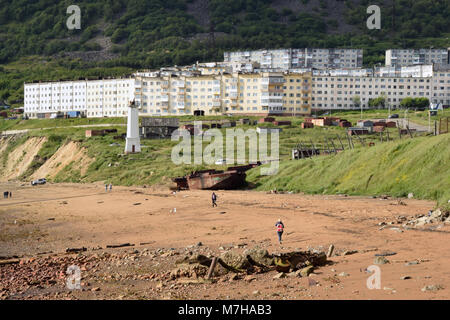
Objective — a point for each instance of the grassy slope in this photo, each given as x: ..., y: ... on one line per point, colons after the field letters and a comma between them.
x: 417, y: 165
x: 420, y: 166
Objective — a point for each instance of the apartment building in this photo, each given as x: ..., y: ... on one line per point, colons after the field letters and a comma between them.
x: 338, y: 92
x: 41, y: 100
x: 227, y: 93
x: 417, y: 71
x: 91, y: 98
x: 109, y: 97
x: 285, y: 59
x: 407, y: 57
x: 440, y: 92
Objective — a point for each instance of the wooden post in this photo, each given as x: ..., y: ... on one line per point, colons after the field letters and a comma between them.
x: 350, y: 142
x: 409, y: 131
x: 359, y: 138
x: 314, y: 147
x: 212, y: 267
x: 342, y: 145
x: 334, y: 147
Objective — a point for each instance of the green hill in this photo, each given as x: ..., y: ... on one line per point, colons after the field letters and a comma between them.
x: 420, y: 166
x: 151, y: 34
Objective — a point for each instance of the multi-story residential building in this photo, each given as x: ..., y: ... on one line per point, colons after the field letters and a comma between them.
x: 228, y: 93
x: 338, y: 92
x: 109, y: 97
x: 286, y: 59
x: 41, y: 100
x: 407, y: 57
x: 91, y: 98
x: 417, y: 71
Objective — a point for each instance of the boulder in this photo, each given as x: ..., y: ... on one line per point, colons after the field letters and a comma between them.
x: 259, y: 257
x: 235, y: 260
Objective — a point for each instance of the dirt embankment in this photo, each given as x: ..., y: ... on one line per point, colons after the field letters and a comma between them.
x: 20, y: 158
x: 14, y: 164
x: 70, y: 152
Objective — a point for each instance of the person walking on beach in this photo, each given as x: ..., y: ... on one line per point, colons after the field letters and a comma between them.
x: 106, y: 187
x: 110, y: 187
x: 280, y: 229
x: 214, y: 199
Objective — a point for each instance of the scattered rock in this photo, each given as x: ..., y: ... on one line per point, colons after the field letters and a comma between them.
x: 305, y: 272
x: 343, y: 274
x: 249, y: 278
x: 256, y: 292
x: 380, y: 260
x: 349, y: 252
x: 280, y: 275
x: 411, y: 263
x: 405, y: 278
x: 95, y: 289
x: 434, y: 287
x: 385, y: 254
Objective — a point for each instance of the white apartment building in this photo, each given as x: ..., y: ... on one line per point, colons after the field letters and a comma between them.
x: 91, y: 98
x: 338, y: 92
x: 417, y: 71
x: 441, y: 87
x: 286, y: 59
x: 407, y: 57
x: 41, y: 99
x: 109, y: 97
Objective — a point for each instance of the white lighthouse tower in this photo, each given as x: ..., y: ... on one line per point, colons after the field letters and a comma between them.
x: 133, y: 142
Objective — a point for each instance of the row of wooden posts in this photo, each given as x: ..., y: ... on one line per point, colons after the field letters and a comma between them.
x: 329, y: 146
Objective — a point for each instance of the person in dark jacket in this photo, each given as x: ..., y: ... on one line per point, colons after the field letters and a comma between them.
x: 214, y: 199
x: 280, y: 229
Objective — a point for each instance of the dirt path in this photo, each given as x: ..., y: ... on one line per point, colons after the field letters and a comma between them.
x: 56, y: 217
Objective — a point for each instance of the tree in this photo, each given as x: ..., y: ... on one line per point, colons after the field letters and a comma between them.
x: 356, y: 101
x: 415, y: 103
x: 378, y: 102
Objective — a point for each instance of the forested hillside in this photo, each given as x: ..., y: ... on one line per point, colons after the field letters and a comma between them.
x: 154, y: 33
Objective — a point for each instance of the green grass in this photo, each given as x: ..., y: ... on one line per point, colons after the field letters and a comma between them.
x: 420, y: 166
x: 398, y: 167
x: 419, y: 117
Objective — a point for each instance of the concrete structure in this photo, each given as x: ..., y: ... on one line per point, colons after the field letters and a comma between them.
x: 440, y: 92
x: 260, y: 93
x: 91, y: 98
x: 417, y: 71
x: 407, y: 57
x: 286, y: 59
x: 339, y: 92
x: 133, y: 142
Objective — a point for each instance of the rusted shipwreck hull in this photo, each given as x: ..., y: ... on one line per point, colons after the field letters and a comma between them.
x: 232, y: 178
